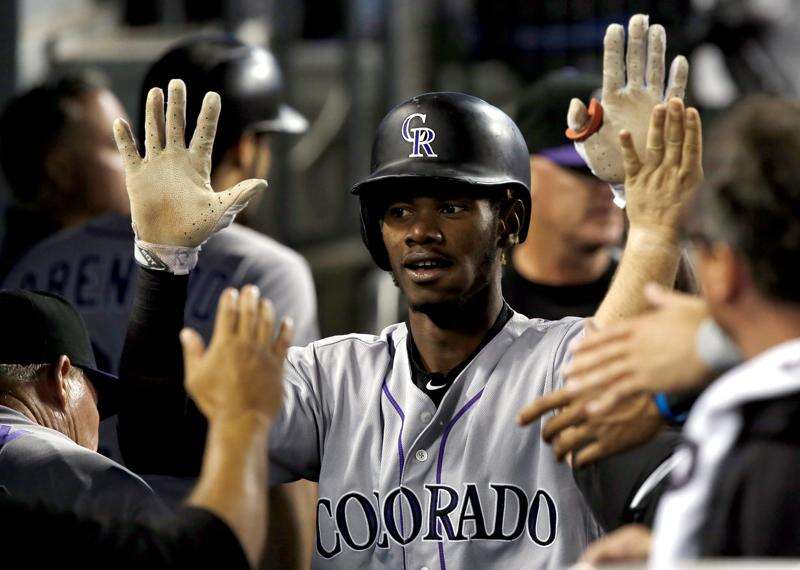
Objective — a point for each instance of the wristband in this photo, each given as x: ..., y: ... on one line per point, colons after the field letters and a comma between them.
x: 175, y: 259
x: 618, y: 190
x: 595, y: 116
x: 676, y: 411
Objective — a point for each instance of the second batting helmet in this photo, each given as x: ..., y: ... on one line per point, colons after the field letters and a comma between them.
x: 452, y: 138
x: 247, y: 78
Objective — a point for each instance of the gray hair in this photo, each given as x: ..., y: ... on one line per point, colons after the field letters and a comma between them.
x: 11, y: 374
x: 751, y: 199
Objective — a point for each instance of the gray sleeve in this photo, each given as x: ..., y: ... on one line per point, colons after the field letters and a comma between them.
x: 78, y: 480
x: 295, y: 441
x: 569, y: 329
x: 290, y: 287
x: 116, y: 492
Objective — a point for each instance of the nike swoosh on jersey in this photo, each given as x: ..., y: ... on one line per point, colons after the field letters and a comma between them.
x: 430, y: 386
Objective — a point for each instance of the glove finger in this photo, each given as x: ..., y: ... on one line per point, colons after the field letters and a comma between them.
x: 126, y: 144
x: 634, y: 61
x: 678, y: 77
x: 154, y: 122
x: 577, y: 115
x: 613, y: 67
x: 176, y: 114
x: 656, y: 47
x: 202, y: 144
x: 233, y: 200
x: 240, y: 194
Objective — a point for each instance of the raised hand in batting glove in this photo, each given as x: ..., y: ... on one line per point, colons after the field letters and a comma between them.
x: 632, y: 86
x: 173, y: 207
x: 241, y: 371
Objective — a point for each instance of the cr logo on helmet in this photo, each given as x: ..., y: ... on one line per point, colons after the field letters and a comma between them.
x: 419, y: 137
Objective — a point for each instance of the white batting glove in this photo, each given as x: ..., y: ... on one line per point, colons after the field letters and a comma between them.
x: 625, y: 104
x: 173, y: 207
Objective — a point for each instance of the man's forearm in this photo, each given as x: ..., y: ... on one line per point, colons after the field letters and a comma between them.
x: 232, y: 483
x: 650, y: 255
x: 160, y: 431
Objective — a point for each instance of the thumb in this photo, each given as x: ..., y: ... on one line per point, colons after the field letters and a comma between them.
x: 659, y: 296
x: 238, y: 196
x: 233, y: 200
x: 193, y: 348
x: 577, y: 115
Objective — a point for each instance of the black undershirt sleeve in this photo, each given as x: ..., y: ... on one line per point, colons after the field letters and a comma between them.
x: 160, y: 430
x: 192, y: 538
x: 610, y: 485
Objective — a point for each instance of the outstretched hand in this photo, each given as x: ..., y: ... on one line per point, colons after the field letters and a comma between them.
x: 584, y: 437
x: 649, y: 353
x: 633, y: 85
x: 660, y: 183
x: 172, y: 202
x: 241, y: 371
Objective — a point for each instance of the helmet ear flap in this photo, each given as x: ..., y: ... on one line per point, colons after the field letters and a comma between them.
x: 372, y: 235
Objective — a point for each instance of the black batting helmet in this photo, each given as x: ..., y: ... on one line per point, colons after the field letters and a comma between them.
x: 451, y: 138
x: 247, y: 78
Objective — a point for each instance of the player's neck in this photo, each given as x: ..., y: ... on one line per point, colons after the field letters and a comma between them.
x: 762, y: 325
x: 446, y: 340
x: 23, y: 405
x: 556, y: 262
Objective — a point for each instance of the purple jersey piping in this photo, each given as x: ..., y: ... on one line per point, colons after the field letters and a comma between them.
x: 440, y: 459
x: 401, y: 455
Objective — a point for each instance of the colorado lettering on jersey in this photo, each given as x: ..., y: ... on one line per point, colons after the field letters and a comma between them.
x: 359, y: 522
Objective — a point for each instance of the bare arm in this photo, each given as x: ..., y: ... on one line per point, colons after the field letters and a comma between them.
x: 658, y: 186
x: 237, y: 384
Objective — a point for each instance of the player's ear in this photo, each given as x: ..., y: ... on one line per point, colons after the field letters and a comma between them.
x: 53, y: 386
x: 512, y: 212
x: 722, y: 272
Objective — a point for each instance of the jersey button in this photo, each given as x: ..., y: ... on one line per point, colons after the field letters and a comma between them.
x: 425, y: 417
x: 422, y: 455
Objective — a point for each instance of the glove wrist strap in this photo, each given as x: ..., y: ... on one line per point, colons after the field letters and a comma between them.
x: 175, y: 259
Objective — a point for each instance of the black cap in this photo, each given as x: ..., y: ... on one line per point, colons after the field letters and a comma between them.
x: 38, y: 327
x: 542, y: 114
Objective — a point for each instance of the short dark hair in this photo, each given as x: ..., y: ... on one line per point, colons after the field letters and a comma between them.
x: 31, y: 126
x: 752, y: 196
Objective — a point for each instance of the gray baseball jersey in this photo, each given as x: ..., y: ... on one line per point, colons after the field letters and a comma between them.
x: 38, y: 464
x: 92, y: 267
x: 406, y: 485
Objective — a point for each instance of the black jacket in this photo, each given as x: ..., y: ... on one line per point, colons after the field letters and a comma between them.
x: 755, y: 505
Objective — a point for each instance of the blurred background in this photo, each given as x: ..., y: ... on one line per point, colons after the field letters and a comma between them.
x: 346, y: 62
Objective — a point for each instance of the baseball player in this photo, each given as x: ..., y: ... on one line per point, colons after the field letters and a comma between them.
x: 90, y: 264
x: 410, y: 432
